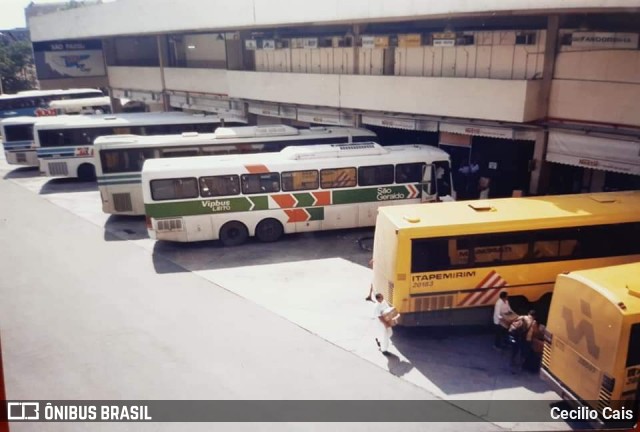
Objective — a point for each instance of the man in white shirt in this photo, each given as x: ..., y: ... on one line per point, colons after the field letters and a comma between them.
x: 501, y: 314
x: 384, y: 327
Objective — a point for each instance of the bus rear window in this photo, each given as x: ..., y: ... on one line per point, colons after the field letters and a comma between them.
x: 18, y: 133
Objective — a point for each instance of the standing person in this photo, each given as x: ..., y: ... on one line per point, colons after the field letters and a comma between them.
x: 385, y: 328
x: 520, y: 330
x: 502, y: 317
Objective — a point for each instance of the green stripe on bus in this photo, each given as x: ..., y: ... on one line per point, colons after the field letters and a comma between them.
x: 304, y: 199
x: 315, y: 213
x: 200, y: 207
x: 383, y: 193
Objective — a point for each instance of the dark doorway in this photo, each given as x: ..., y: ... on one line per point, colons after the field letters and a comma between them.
x: 505, y: 163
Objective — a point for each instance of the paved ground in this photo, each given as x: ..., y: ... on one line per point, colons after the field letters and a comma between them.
x: 96, y: 310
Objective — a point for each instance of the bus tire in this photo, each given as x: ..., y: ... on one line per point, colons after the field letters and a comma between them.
x: 86, y: 172
x: 269, y: 230
x: 233, y: 233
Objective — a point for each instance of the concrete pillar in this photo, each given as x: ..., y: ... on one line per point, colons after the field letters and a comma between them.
x: 597, y: 181
x: 356, y: 49
x: 539, y: 181
x: 161, y: 43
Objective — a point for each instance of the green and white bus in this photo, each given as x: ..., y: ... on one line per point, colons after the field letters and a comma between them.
x: 119, y: 159
x: 64, y: 144
x: 310, y: 188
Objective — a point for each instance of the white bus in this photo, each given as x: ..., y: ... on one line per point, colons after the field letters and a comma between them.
x: 64, y: 144
x: 34, y: 102
x: 17, y: 132
x: 17, y: 140
x: 309, y: 188
x: 95, y: 105
x: 119, y: 159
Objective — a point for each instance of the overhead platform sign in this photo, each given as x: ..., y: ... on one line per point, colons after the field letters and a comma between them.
x: 69, y: 59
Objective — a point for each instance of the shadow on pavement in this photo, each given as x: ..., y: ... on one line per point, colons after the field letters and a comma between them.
x: 211, y: 255
x: 22, y: 172
x: 123, y: 228
x: 62, y: 185
x: 441, y: 353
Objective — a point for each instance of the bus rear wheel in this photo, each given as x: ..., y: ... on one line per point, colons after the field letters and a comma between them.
x: 269, y: 230
x: 233, y: 233
x: 86, y: 172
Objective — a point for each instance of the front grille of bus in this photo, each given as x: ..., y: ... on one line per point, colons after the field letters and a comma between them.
x: 21, y: 157
x: 432, y: 303
x: 122, y: 202
x: 170, y: 225
x: 546, y: 355
x: 58, y: 168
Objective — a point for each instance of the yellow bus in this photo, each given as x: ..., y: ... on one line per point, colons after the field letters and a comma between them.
x: 446, y: 264
x: 592, y: 343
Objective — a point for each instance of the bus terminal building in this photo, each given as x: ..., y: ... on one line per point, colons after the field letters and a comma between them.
x: 528, y: 97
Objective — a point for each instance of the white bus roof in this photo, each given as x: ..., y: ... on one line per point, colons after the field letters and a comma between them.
x: 84, y: 102
x: 295, y: 157
x: 21, y: 120
x: 225, y: 135
x: 56, y: 92
x: 125, y: 119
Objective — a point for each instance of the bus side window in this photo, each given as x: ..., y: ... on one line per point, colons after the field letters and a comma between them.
x: 375, y: 175
x: 260, y: 183
x: 501, y: 248
x: 429, y: 255
x: 409, y: 172
x: 337, y: 178
x: 170, y: 189
x: 219, y: 186
x: 459, y: 251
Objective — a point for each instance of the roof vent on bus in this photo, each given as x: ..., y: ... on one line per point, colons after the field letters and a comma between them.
x: 189, y: 134
x: 411, y: 219
x: 634, y: 288
x: 109, y: 117
x: 255, y: 131
x: 323, y: 151
x: 117, y: 139
x: 603, y: 199
x: 481, y: 206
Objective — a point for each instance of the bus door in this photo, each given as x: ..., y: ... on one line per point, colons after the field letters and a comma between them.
x: 436, y: 182
x: 427, y: 187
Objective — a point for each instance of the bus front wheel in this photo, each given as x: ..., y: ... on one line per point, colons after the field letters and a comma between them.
x: 86, y: 172
x: 269, y: 230
x: 233, y: 233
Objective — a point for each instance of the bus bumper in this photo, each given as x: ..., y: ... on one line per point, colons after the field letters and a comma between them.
x: 558, y: 387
